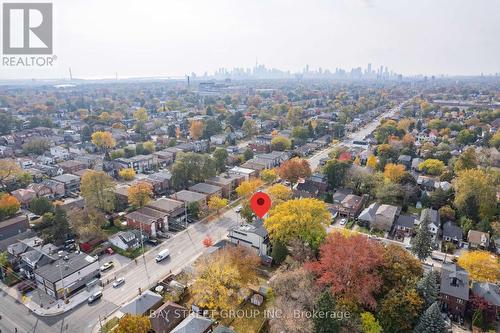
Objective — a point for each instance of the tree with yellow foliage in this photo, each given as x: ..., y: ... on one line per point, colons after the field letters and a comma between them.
x: 103, y: 140
x: 482, y: 266
x: 279, y: 193
x: 216, y: 203
x: 268, y: 175
x: 394, y: 172
x: 303, y: 219
x: 196, y: 129
x: 140, y: 194
x: 105, y: 117
x: 372, y: 162
x: 220, y: 276
x: 127, y: 173
x: 141, y: 115
x: 97, y: 189
x: 8, y: 169
x: 248, y: 187
x: 432, y: 166
x: 475, y: 193
x: 133, y: 324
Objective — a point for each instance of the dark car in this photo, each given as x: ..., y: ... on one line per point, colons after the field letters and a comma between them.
x: 25, y: 286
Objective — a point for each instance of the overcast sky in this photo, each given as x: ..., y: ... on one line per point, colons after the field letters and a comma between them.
x: 174, y: 37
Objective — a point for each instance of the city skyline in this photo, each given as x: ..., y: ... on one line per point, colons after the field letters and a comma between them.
x: 128, y: 39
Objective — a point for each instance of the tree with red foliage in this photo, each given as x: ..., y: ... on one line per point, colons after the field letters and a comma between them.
x: 348, y: 265
x: 294, y: 169
x: 208, y: 241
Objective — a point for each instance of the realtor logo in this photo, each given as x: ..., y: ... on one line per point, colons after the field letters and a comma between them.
x: 27, y: 28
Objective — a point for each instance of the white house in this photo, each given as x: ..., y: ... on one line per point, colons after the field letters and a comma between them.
x: 124, y: 240
x: 251, y: 235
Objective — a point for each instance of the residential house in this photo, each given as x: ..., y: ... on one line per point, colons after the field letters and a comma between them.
x: 72, y: 166
x: 124, y: 240
x: 148, y: 220
x: 350, y: 206
x: 160, y: 181
x: 48, y: 188
x: 252, y: 235
x: 164, y: 157
x: 175, y: 210
x: 224, y: 182
x: 452, y: 233
x: 189, y: 197
x: 406, y: 160
x: 207, y: 189
x: 380, y: 216
x: 405, y: 226
x: 489, y: 292
x: 71, y: 183
x: 218, y: 139
x: 24, y: 196
x: 478, y: 239
x: 66, y: 274
x: 12, y: 228
x: 431, y: 217
x: 167, y: 317
x: 454, y: 289
x: 246, y: 173
x: 194, y: 323
x: 143, y: 304
x: 140, y: 163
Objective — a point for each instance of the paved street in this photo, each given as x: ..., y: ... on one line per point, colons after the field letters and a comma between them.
x: 184, y: 247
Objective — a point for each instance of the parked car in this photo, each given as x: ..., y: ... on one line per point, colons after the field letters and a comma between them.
x: 343, y: 221
x: 106, y: 266
x: 94, y: 297
x: 118, y: 282
x: 238, y: 209
x: 153, y: 241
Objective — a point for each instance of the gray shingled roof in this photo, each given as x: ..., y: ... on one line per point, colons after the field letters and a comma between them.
x: 451, y: 273
x: 193, y: 324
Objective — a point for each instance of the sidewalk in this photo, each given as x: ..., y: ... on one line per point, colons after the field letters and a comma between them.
x: 43, y: 305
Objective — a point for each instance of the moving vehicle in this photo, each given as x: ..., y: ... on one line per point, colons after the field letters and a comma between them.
x: 162, y: 255
x: 94, y: 297
x: 118, y: 282
x: 107, y: 266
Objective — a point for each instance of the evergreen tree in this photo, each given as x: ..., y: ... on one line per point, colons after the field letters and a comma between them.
x: 279, y: 252
x: 428, y: 289
x: 431, y: 321
x: 325, y: 304
x: 422, y: 243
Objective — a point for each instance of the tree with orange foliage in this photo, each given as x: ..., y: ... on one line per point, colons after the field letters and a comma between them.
x: 196, y: 129
x: 133, y: 324
x: 394, y: 172
x: 9, y: 205
x: 352, y: 278
x: 294, y: 169
x: 208, y: 241
x: 140, y: 194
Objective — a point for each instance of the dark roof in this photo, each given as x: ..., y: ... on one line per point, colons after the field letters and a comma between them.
x: 407, y: 221
x: 75, y: 262
x: 142, y: 303
x: 13, y: 226
x: 188, y: 196
x: 340, y: 194
x: 488, y: 291
x: 454, y: 281
x: 205, y: 188
x: 453, y: 231
x: 167, y: 316
x: 166, y: 205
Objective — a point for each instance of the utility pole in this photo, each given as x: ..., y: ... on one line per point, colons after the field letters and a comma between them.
x: 143, y: 256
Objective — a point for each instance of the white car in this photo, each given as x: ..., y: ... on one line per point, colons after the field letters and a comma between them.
x: 107, y: 266
x: 118, y: 282
x: 343, y: 221
x: 238, y: 209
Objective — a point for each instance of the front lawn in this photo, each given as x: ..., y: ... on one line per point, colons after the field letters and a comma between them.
x: 132, y: 254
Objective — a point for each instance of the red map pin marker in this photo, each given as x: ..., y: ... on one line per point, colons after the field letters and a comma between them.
x: 260, y: 203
